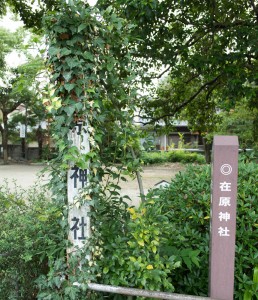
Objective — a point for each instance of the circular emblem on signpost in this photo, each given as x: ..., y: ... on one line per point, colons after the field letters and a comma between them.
x: 226, y: 169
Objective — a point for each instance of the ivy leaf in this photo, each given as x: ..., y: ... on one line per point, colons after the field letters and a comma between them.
x: 67, y: 75
x: 53, y: 51
x: 110, y: 67
x: 69, y: 86
x: 99, y: 42
x: 72, y: 62
x: 88, y: 55
x: 69, y: 110
x: 82, y: 27
x: 78, y: 91
x: 65, y: 51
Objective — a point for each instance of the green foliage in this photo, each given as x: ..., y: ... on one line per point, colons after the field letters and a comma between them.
x: 172, y: 156
x: 93, y: 78
x: 186, y: 157
x: 30, y: 236
x: 249, y: 156
x: 186, y: 203
x: 154, y: 157
x: 92, y: 81
x: 240, y: 122
x: 132, y: 256
x: 208, y: 50
x: 253, y: 286
x: 66, y: 279
x: 17, y: 85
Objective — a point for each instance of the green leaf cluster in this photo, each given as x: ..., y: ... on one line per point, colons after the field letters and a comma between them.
x: 29, y: 13
x: 133, y: 256
x: 253, y: 286
x: 240, y: 121
x: 92, y: 73
x: 92, y: 78
x: 206, y: 50
x: 186, y: 203
x: 172, y: 156
x: 30, y: 237
x: 92, y: 82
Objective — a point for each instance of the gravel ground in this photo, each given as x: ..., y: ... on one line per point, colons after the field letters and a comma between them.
x: 26, y: 175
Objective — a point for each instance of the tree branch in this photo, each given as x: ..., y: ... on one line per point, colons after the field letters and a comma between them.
x: 139, y: 178
x: 211, y: 90
x: 218, y: 25
x: 191, y: 78
x: 195, y: 38
x: 13, y: 107
x: 185, y: 103
x: 162, y: 73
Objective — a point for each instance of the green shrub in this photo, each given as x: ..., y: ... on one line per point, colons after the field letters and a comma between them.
x: 133, y: 258
x: 185, y: 157
x: 30, y: 234
x: 249, y: 156
x: 172, y: 156
x: 186, y: 203
x: 162, y: 245
x: 131, y: 249
x: 150, y: 158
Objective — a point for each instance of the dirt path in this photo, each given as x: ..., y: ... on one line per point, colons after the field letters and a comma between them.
x: 26, y: 175
x: 22, y: 175
x: 151, y: 175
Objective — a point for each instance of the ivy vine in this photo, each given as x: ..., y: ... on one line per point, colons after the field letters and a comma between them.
x: 93, y: 78
x: 92, y: 71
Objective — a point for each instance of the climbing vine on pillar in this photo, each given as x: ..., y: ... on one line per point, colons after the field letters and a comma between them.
x: 93, y: 73
x: 93, y: 78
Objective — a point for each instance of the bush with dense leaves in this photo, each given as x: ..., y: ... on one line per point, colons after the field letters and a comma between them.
x: 186, y: 157
x: 172, y: 156
x: 30, y: 235
x: 162, y: 245
x: 132, y: 256
x: 186, y: 203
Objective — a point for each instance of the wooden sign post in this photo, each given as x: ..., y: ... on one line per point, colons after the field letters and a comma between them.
x: 223, y: 217
x: 78, y: 219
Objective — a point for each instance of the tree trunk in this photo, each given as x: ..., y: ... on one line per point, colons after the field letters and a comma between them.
x: 207, y: 150
x: 5, y: 139
x: 23, y: 144
x: 139, y: 178
x: 200, y: 139
x: 39, y: 134
x: 255, y: 129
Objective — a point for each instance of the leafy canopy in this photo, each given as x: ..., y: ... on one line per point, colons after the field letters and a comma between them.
x: 206, y: 47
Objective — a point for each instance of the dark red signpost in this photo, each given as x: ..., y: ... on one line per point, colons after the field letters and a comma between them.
x: 223, y: 217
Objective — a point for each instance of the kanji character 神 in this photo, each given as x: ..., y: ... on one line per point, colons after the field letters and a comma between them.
x: 80, y: 175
